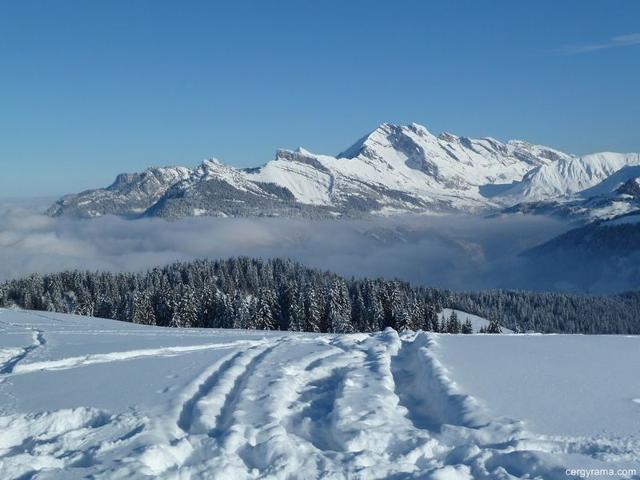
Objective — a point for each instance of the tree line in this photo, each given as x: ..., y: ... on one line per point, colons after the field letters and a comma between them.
x: 280, y: 294
x: 236, y: 293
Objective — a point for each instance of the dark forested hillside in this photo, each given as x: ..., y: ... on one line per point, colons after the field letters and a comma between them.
x: 284, y: 295
x: 553, y: 312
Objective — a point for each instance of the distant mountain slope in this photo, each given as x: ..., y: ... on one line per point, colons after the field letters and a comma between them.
x: 129, y: 194
x: 618, y: 194
x: 603, y: 255
x: 620, y: 235
x: 393, y: 169
x: 614, y: 182
x: 570, y: 175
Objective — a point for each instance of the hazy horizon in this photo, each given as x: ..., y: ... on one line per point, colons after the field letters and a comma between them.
x: 461, y: 252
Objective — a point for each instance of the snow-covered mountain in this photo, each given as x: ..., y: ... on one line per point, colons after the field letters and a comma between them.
x: 393, y: 169
x: 571, y: 175
x: 406, y: 168
x: 616, y: 195
x: 129, y: 194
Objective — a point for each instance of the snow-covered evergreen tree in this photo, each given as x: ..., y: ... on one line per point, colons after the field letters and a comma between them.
x: 430, y: 319
x: 403, y: 321
x: 453, y: 324
x: 297, y: 316
x: 241, y: 310
x: 185, y: 315
x: 358, y: 312
x: 264, y: 311
x: 338, y: 308
x: 142, y: 310
x: 374, y: 309
x: 313, y: 315
x: 494, y: 327
x: 466, y: 327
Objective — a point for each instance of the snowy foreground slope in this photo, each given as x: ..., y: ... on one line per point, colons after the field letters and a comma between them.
x: 86, y: 397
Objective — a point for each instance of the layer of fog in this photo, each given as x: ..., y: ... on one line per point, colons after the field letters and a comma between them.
x: 459, y: 252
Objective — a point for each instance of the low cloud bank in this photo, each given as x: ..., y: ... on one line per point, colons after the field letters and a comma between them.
x: 459, y: 252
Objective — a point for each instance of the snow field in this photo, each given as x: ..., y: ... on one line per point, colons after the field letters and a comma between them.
x: 190, y: 404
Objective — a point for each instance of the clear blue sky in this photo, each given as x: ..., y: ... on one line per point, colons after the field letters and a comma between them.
x: 89, y: 89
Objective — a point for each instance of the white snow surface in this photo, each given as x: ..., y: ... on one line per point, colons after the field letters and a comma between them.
x: 572, y: 175
x: 82, y: 397
x: 445, y: 169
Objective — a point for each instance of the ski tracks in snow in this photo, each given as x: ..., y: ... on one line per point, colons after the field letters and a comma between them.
x: 11, y: 367
x: 468, y: 443
x: 299, y: 406
x: 16, y: 355
x: 360, y: 406
x: 209, y: 410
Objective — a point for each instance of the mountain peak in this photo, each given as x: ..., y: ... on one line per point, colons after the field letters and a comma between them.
x: 211, y: 164
x: 211, y: 161
x: 212, y: 167
x: 387, y: 128
x: 303, y: 151
x: 293, y: 155
x: 386, y: 135
x: 395, y: 167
